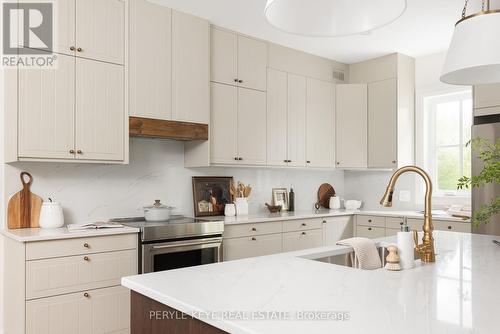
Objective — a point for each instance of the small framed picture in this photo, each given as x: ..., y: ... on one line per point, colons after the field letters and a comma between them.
x: 211, y: 194
x: 280, y: 197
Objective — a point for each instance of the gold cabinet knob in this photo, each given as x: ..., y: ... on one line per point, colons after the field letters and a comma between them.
x: 86, y: 245
x: 254, y: 229
x: 304, y: 224
x: 86, y: 258
x: 303, y: 233
x: 79, y: 49
x: 79, y: 152
x: 254, y: 239
x: 86, y: 295
x: 71, y: 151
x: 72, y: 48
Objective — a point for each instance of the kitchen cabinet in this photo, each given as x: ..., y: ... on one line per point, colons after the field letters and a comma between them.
x: 337, y: 228
x: 150, y: 72
x: 487, y: 99
x: 95, y: 311
x: 382, y: 124
x: 319, y: 124
x: 370, y: 232
x: 251, y: 246
x: 286, y: 119
x: 238, y: 60
x: 298, y: 240
x: 100, y: 30
x: 46, y: 100
x: 238, y: 121
x: 351, y: 126
x: 444, y: 225
x: 100, y: 117
x: 190, y: 68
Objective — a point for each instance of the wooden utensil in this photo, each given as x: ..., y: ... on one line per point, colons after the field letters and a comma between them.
x: 325, y: 191
x: 23, y: 210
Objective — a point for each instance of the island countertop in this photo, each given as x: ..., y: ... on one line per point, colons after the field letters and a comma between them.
x: 456, y: 294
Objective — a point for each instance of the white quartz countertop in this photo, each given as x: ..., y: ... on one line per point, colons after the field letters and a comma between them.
x: 459, y: 293
x: 39, y: 234
x: 268, y: 217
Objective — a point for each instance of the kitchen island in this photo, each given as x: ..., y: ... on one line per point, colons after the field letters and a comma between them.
x: 293, y: 293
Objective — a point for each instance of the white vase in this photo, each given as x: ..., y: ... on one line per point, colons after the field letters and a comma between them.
x: 51, y: 215
x: 229, y: 210
x: 241, y: 204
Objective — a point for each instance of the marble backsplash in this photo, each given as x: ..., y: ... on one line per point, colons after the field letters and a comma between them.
x: 91, y: 192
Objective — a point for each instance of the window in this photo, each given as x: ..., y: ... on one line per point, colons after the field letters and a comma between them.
x: 447, y: 128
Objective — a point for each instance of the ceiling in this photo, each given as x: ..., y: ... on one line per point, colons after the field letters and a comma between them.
x: 425, y: 28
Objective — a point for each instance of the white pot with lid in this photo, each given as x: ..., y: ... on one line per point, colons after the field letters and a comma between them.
x: 157, y: 212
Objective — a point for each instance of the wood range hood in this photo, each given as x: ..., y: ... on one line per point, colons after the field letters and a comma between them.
x: 157, y: 128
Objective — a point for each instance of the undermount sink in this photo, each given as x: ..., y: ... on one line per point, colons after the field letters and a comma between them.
x: 340, y: 259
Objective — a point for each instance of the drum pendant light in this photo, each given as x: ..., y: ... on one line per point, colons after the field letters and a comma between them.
x: 327, y: 18
x: 474, y: 54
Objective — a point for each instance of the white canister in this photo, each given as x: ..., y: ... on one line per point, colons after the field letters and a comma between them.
x: 334, y: 203
x: 241, y: 204
x: 229, y: 210
x: 51, y: 215
x: 406, y: 250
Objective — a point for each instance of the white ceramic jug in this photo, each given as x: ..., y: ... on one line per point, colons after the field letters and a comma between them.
x: 334, y: 203
x: 51, y: 215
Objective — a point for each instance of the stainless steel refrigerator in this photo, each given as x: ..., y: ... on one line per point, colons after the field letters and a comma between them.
x: 487, y: 127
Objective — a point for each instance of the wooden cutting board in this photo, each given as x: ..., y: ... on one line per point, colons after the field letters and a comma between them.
x: 23, y: 210
x: 325, y: 191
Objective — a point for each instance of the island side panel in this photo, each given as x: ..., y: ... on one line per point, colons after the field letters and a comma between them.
x: 165, y: 320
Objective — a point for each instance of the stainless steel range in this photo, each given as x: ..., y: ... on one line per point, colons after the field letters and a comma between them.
x: 177, y: 243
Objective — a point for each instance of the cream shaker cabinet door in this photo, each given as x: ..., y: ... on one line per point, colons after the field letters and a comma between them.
x: 277, y: 118
x: 100, y: 30
x: 252, y: 63
x: 296, y: 120
x: 351, y: 125
x: 47, y: 111
x: 382, y: 124
x: 293, y: 241
x: 223, y: 123
x: 251, y: 127
x: 259, y: 245
x: 100, y: 111
x: 150, y: 66
x: 90, y: 312
x: 224, y: 56
x: 190, y: 68
x: 320, y: 129
x: 487, y: 95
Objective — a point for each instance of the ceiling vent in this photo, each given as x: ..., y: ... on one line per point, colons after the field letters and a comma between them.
x: 338, y: 76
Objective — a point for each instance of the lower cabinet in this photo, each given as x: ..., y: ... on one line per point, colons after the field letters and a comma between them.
x: 337, y: 228
x: 95, y: 311
x: 298, y: 240
x: 251, y: 246
x: 370, y: 232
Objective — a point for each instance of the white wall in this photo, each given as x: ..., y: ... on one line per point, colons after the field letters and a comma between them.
x: 156, y: 171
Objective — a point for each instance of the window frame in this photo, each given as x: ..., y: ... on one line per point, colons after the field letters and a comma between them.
x: 430, y: 147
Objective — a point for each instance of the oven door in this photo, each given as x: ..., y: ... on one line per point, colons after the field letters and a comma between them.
x: 180, y: 254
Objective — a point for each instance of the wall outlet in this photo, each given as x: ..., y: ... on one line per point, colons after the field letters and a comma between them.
x: 404, y: 196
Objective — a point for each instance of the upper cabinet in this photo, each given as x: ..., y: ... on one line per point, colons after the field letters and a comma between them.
x: 76, y: 111
x: 169, y: 64
x: 381, y: 94
x: 351, y: 125
x: 238, y: 60
x: 319, y: 120
x: 486, y: 99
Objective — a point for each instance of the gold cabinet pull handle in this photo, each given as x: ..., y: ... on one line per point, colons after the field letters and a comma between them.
x: 86, y: 295
x: 72, y: 48
x: 86, y: 258
x: 79, y: 152
x: 86, y: 245
x: 79, y: 49
x: 71, y: 151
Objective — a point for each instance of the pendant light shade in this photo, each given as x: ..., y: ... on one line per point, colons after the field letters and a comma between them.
x: 326, y: 18
x: 474, y: 54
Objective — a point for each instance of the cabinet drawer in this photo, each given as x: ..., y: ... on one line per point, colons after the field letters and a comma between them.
x: 68, y: 247
x: 415, y: 224
x: 94, y: 311
x: 370, y: 221
x: 451, y: 226
x: 394, y: 222
x: 235, y: 231
x: 60, y: 275
x: 293, y: 241
x: 239, y: 248
x: 302, y: 224
x: 370, y: 232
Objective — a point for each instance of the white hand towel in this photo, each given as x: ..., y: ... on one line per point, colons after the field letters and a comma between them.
x: 365, y: 253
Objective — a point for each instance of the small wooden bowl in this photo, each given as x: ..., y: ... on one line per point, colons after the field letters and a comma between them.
x: 273, y: 208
